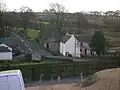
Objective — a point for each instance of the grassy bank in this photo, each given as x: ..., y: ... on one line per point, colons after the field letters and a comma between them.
x: 113, y: 37
x: 32, y: 33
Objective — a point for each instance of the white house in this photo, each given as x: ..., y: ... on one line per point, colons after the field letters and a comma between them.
x: 5, y: 52
x: 76, y: 45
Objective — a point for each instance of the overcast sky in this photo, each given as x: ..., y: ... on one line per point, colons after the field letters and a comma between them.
x: 71, y: 5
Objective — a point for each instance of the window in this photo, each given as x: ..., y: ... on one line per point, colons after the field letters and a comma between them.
x: 81, y: 44
x: 66, y: 54
x: 80, y: 50
x: 47, y: 45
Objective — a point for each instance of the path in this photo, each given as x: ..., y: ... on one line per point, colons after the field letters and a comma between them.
x: 67, y: 84
x: 68, y: 80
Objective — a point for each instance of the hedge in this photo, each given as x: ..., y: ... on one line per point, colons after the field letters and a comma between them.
x: 32, y: 71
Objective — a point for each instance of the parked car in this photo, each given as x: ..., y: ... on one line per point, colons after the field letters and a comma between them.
x: 69, y: 55
x: 29, y: 56
x: 16, y: 52
x: 11, y: 80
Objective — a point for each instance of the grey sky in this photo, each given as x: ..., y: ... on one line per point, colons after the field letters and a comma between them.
x: 71, y: 5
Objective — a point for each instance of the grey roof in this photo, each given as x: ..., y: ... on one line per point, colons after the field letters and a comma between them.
x: 51, y: 36
x: 83, y: 37
x: 79, y: 37
x: 4, y: 49
x: 65, y: 38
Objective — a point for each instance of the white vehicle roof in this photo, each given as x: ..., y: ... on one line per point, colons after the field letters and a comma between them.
x: 10, y: 72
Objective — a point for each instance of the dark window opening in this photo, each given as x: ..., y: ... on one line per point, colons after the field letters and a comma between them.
x: 80, y: 50
x: 66, y: 54
x: 81, y: 44
x: 85, y: 51
x: 47, y: 45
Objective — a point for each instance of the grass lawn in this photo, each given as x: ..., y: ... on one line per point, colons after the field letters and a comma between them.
x: 24, y: 64
x: 43, y: 22
x: 113, y: 37
x: 32, y: 33
x: 40, y: 22
x: 32, y: 63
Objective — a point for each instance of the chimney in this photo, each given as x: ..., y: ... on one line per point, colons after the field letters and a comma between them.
x: 67, y: 33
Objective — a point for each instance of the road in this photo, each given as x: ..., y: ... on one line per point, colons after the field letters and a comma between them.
x: 33, y: 46
x: 64, y: 84
x: 53, y: 82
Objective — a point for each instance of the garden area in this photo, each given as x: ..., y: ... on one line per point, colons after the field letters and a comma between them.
x: 112, y: 37
x: 32, y: 33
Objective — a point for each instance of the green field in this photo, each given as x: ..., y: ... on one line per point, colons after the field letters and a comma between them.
x: 40, y: 22
x: 32, y: 33
x: 113, y: 38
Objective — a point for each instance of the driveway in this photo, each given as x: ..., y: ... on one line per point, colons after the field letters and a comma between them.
x: 63, y: 84
x: 55, y: 87
x: 68, y: 80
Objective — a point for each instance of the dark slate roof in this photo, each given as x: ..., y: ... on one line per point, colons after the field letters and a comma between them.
x: 83, y: 37
x: 51, y: 36
x: 65, y: 38
x: 4, y: 49
x: 79, y: 37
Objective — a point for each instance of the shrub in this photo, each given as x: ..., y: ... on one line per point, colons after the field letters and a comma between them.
x: 90, y: 80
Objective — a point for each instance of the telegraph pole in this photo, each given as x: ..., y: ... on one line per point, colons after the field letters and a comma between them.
x: 75, y: 48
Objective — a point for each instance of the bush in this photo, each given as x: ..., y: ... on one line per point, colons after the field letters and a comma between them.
x: 90, y: 80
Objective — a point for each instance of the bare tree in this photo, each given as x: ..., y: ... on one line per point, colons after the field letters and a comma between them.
x: 60, y: 15
x: 26, y: 15
x: 3, y: 6
x: 82, y: 22
x: 45, y: 11
x: 2, y: 9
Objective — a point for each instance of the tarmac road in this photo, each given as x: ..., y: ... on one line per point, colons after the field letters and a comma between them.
x: 68, y: 80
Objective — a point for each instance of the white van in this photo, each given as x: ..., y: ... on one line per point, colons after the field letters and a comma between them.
x: 11, y: 80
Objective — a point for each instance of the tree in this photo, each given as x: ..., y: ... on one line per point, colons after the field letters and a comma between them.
x: 109, y: 13
x: 60, y: 16
x: 98, y: 42
x: 26, y: 15
x: 45, y: 11
x: 96, y: 21
x: 96, y: 13
x: 2, y: 9
x: 81, y: 21
x: 16, y: 19
x: 40, y: 37
x: 117, y: 13
x: 8, y: 18
x: 112, y: 19
x: 3, y: 6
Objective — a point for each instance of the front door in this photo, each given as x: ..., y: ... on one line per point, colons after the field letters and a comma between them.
x: 85, y: 51
x: 47, y: 45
